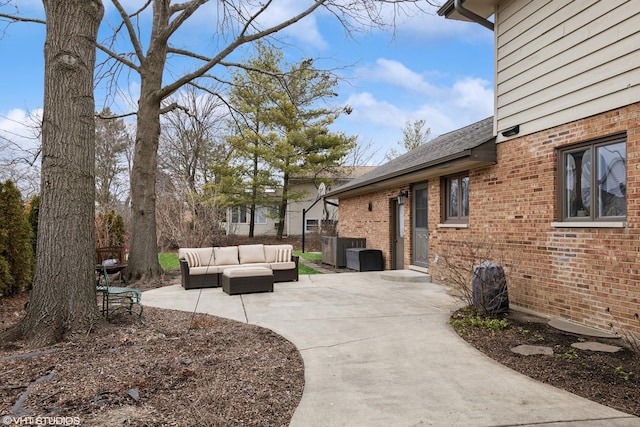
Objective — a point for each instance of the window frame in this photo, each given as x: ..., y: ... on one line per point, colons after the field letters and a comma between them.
x: 241, y: 214
x: 446, y: 192
x: 314, y: 228
x: 590, y: 146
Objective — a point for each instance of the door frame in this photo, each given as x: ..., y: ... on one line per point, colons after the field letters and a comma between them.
x: 397, y: 234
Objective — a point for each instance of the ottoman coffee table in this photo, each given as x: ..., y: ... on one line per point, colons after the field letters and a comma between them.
x: 247, y: 280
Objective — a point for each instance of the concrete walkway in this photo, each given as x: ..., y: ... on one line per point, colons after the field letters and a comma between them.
x: 381, y: 353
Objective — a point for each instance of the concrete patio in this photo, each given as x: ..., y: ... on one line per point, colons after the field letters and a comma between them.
x: 381, y: 353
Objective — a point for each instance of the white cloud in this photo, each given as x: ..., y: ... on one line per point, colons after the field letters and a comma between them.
x: 369, y: 111
x: 19, y: 144
x: 473, y: 95
x: 444, y: 108
x: 19, y: 130
x: 397, y: 74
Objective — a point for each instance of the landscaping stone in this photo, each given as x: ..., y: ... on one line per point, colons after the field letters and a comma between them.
x: 596, y: 346
x: 532, y: 350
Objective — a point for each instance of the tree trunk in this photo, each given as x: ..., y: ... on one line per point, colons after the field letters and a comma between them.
x: 282, y: 212
x: 63, y: 298
x: 143, y: 246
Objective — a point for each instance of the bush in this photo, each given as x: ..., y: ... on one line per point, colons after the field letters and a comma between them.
x: 110, y: 230
x: 16, y: 253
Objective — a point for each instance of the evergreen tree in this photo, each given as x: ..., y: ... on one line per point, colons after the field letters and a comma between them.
x: 283, y: 128
x: 306, y: 147
x: 16, y: 256
x: 253, y: 141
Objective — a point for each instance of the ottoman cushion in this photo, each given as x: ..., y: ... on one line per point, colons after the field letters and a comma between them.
x: 247, y: 280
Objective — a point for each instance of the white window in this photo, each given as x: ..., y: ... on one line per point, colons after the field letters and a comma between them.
x: 242, y: 215
x: 311, y: 225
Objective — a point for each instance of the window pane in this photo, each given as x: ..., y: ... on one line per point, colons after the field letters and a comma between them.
x: 421, y: 208
x: 465, y: 197
x: 243, y: 214
x: 261, y: 215
x: 612, y: 180
x: 452, y: 185
x: 312, y: 225
x: 577, y: 193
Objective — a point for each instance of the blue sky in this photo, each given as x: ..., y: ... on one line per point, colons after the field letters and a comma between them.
x: 431, y: 68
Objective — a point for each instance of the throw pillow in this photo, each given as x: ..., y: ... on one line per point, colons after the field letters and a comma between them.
x: 192, y: 259
x: 283, y: 255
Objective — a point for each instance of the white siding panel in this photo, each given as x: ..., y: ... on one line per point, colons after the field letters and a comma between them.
x: 520, y: 18
x: 565, y: 60
x: 615, y: 87
x: 600, y: 48
x: 591, y: 108
x: 589, y: 70
x: 558, y: 32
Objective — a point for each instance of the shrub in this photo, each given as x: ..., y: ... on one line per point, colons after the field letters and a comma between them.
x: 110, y: 230
x: 16, y: 253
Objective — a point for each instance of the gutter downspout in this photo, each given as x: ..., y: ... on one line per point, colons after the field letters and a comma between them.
x: 457, y: 4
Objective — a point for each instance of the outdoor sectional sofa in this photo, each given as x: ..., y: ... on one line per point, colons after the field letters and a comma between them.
x: 203, y: 267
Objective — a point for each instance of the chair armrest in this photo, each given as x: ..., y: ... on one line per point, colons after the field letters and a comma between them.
x: 184, y: 272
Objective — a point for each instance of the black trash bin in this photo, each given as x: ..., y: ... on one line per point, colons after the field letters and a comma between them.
x: 489, y: 288
x: 363, y: 259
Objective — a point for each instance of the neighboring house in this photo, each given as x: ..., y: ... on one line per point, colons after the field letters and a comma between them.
x: 561, y: 194
x: 320, y: 215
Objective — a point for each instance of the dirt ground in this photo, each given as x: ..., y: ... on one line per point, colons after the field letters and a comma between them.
x: 176, y: 370
x: 183, y: 369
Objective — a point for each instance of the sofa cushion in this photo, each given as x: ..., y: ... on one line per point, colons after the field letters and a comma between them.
x: 251, y: 253
x: 207, y: 269
x: 227, y: 255
x: 254, y: 264
x: 289, y: 265
x: 270, y: 252
x: 193, y: 259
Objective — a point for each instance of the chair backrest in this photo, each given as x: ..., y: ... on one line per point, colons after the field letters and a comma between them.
x: 111, y: 252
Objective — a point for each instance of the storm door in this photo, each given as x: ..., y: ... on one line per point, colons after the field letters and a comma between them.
x: 420, y: 226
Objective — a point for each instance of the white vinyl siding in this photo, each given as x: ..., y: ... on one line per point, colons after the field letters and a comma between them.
x: 559, y: 61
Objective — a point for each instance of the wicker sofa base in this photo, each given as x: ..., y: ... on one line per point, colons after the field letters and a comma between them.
x: 201, y: 281
x: 246, y: 285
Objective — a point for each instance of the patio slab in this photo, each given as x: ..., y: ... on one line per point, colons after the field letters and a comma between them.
x: 382, y: 353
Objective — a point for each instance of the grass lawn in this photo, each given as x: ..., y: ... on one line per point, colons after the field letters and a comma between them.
x: 169, y: 261
x: 309, y: 256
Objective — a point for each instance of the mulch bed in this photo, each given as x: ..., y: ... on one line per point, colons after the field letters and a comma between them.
x: 612, y: 379
x: 178, y: 369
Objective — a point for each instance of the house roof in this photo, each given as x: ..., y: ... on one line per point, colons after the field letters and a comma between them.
x: 467, y: 148
x: 339, y: 173
x: 483, y: 8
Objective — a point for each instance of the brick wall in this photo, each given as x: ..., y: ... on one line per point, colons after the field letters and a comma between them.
x: 356, y: 220
x: 588, y: 275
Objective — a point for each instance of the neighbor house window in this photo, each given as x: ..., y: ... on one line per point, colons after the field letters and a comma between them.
x: 594, y: 180
x: 456, y: 198
x: 312, y: 225
x: 242, y: 215
x: 239, y: 215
